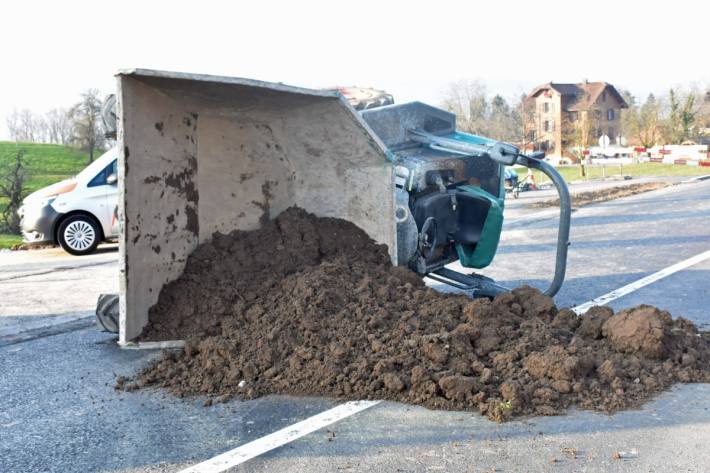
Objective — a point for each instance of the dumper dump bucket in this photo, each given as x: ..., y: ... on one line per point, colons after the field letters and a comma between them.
x: 203, y: 154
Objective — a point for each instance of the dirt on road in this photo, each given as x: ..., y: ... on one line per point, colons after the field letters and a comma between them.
x: 311, y: 306
x: 602, y: 195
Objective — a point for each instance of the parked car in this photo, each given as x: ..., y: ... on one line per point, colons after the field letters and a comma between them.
x: 76, y: 213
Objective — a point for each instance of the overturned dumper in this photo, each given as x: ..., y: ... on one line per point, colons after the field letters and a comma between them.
x: 203, y: 154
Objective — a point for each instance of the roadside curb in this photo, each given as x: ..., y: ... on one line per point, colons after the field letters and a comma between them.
x: 698, y: 178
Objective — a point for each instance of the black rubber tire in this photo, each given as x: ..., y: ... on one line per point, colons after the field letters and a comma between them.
x: 107, y: 312
x: 79, y: 251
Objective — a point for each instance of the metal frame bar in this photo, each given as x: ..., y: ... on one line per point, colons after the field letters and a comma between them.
x: 535, y: 162
x: 486, y: 287
x: 480, y: 285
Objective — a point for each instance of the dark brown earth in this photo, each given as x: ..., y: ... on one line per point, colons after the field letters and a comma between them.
x: 580, y: 199
x: 310, y: 306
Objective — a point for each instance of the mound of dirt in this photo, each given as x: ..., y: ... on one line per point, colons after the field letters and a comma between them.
x: 310, y: 306
x: 580, y: 199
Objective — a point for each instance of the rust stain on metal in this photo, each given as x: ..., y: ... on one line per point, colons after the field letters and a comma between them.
x: 245, y: 176
x: 184, y: 183
x: 193, y: 224
x: 265, y: 206
x: 315, y: 152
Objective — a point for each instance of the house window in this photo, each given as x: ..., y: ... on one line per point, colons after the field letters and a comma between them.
x: 597, y: 132
x: 533, y: 135
x: 547, y: 125
x: 611, y: 133
x: 610, y: 114
x: 597, y: 114
x: 573, y: 116
x: 546, y: 107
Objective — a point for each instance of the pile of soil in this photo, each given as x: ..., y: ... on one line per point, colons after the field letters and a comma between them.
x: 311, y: 306
x: 602, y: 195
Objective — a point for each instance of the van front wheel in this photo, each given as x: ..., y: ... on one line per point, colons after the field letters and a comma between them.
x: 78, y: 235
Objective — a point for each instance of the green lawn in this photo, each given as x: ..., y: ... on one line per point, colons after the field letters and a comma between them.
x: 8, y: 241
x: 46, y: 164
x: 573, y: 172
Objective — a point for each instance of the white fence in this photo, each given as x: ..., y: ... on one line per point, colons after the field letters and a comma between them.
x: 668, y: 154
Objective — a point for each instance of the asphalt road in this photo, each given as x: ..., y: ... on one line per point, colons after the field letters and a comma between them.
x: 48, y: 291
x: 59, y: 411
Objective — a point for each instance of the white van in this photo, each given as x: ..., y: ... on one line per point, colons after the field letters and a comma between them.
x: 77, y: 213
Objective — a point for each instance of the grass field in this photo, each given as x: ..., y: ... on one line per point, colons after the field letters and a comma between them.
x: 46, y: 164
x: 573, y: 172
x: 8, y: 241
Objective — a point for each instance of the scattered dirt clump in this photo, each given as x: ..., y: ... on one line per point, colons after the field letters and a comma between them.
x: 311, y: 306
x: 580, y: 199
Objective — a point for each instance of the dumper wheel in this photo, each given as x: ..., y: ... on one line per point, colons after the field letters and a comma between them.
x: 107, y: 312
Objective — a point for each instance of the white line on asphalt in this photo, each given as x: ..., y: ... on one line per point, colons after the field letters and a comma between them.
x: 279, y: 438
x: 629, y: 288
x: 541, y: 214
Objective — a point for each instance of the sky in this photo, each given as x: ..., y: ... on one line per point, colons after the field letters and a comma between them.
x: 51, y: 51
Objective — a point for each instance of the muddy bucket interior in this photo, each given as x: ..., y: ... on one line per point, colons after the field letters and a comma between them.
x: 205, y: 154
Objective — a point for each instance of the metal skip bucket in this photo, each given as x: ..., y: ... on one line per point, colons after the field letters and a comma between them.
x: 202, y: 154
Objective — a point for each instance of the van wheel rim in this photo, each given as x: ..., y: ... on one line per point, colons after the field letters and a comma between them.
x: 79, y: 235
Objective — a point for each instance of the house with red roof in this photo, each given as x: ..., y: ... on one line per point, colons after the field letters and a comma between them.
x: 553, y: 111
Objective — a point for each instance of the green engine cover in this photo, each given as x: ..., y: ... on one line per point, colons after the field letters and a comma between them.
x: 481, y: 254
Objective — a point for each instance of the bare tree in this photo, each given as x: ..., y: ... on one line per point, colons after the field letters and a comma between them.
x: 26, y: 126
x: 648, y: 122
x: 12, y: 121
x: 580, y: 131
x: 59, y: 126
x: 12, y: 187
x: 467, y: 100
x: 86, y: 118
x: 497, y: 118
x: 528, y: 126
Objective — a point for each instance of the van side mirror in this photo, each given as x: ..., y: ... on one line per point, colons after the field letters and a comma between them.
x: 111, y: 179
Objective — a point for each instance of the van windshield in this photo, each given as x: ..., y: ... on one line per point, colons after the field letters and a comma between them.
x: 102, y: 176
x: 90, y: 171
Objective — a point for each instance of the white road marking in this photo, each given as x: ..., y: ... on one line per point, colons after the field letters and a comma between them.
x: 629, y: 288
x: 279, y: 438
x: 542, y: 214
